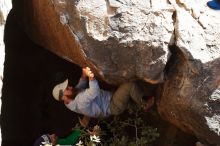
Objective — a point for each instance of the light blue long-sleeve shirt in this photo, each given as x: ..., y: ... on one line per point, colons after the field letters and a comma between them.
x: 92, y: 101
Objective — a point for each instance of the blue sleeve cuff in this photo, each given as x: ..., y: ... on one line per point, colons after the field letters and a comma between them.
x: 93, y: 84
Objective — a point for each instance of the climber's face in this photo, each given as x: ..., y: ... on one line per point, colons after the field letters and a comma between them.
x: 67, y: 95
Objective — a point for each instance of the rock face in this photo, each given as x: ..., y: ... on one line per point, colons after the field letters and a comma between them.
x: 125, y: 40
x: 185, y: 97
x: 121, y: 41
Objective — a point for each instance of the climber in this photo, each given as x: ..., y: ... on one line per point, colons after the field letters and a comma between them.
x: 95, y: 102
x: 214, y: 4
x: 52, y: 139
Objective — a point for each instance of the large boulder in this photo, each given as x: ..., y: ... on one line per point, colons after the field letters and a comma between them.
x: 193, y: 72
x: 185, y: 97
x: 126, y: 40
x: 120, y: 41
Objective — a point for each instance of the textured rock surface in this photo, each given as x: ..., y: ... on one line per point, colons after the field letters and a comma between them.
x: 120, y: 40
x: 196, y: 30
x: 125, y: 40
x: 185, y: 97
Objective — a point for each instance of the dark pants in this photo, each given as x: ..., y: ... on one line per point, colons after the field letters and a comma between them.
x: 123, y: 94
